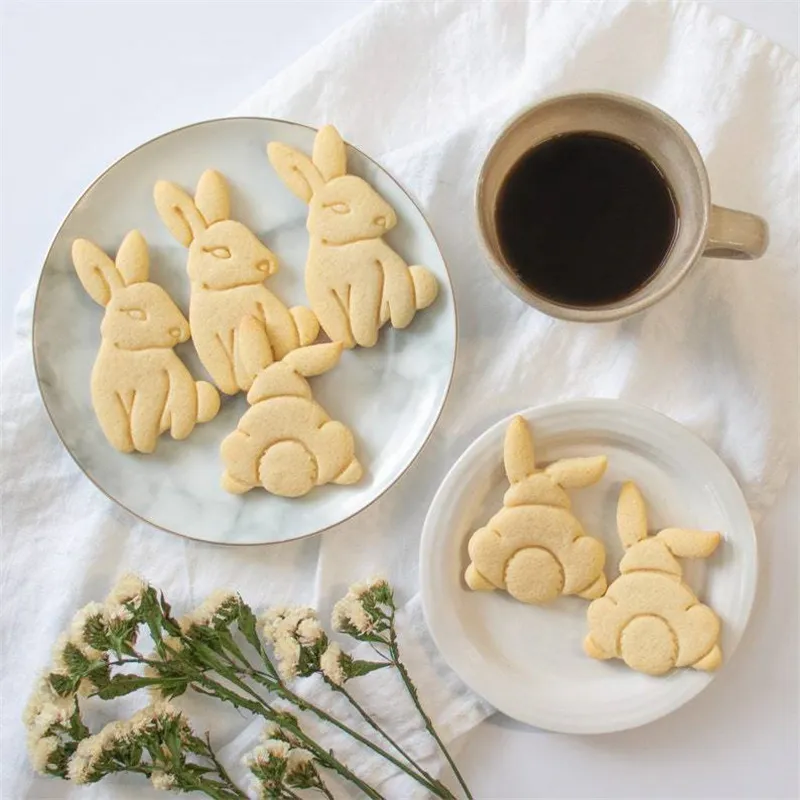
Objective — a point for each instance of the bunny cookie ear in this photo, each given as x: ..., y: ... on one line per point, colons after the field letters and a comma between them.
x: 133, y: 261
x: 178, y: 212
x: 518, y: 453
x: 575, y: 473
x: 314, y: 359
x: 631, y: 515
x: 96, y: 271
x: 330, y: 154
x: 686, y: 543
x: 295, y: 170
x: 212, y: 197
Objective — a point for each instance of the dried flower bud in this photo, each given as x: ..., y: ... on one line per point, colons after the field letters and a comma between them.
x: 163, y: 781
x: 331, y: 664
x: 219, y: 608
x: 349, y: 616
x: 42, y: 751
x: 128, y: 591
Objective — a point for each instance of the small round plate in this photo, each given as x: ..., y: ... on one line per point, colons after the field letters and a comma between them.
x: 390, y: 395
x: 528, y: 661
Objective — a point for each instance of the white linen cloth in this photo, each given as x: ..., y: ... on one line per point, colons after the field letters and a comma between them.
x: 425, y: 88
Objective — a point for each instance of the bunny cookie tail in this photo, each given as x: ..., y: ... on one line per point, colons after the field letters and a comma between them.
x: 425, y: 286
x: 207, y: 401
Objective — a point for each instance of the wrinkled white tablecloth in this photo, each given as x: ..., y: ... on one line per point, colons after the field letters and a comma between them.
x: 424, y: 88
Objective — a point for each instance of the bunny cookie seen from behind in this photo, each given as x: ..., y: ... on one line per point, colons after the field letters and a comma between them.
x: 286, y: 442
x: 140, y: 388
x: 534, y: 547
x: 354, y: 280
x: 227, y: 267
x: 649, y: 617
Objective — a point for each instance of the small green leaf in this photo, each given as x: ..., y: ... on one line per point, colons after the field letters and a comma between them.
x: 356, y: 668
x: 62, y: 685
x: 121, y: 685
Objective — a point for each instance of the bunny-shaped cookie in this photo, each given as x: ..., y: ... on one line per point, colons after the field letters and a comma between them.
x: 649, y: 617
x: 227, y: 266
x: 286, y: 442
x: 355, y: 282
x: 534, y: 548
x: 140, y: 388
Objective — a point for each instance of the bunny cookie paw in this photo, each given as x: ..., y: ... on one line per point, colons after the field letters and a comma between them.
x: 355, y: 282
x: 286, y: 442
x: 649, y: 617
x: 227, y: 267
x: 140, y: 388
x: 534, y: 547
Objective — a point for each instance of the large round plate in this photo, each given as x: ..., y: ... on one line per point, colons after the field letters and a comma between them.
x: 528, y: 661
x: 390, y: 395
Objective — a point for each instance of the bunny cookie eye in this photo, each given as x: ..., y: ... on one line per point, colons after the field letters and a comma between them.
x: 218, y: 252
x: 135, y: 313
x: 338, y: 208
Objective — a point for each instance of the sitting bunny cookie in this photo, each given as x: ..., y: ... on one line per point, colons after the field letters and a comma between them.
x: 649, y: 617
x: 227, y: 267
x: 355, y: 282
x: 534, y: 547
x: 140, y: 388
x: 285, y: 442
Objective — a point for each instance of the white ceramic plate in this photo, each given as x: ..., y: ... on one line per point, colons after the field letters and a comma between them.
x: 390, y: 395
x: 528, y: 661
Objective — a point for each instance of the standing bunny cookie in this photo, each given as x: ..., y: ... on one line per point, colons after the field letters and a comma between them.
x: 227, y: 267
x: 534, y: 547
x: 355, y: 282
x: 140, y: 388
x: 286, y: 442
x: 649, y: 617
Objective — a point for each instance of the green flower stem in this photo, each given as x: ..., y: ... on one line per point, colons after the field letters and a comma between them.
x: 258, y: 706
x: 221, y: 771
x: 324, y: 789
x: 280, y: 688
x: 287, y: 694
x: 433, y: 784
x: 394, y: 652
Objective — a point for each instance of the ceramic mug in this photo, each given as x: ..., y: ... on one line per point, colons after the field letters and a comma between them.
x: 703, y: 228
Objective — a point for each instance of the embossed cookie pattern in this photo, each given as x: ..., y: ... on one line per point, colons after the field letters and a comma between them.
x: 534, y: 547
x: 649, y: 617
x: 355, y: 281
x: 227, y: 267
x: 286, y: 442
x: 140, y: 388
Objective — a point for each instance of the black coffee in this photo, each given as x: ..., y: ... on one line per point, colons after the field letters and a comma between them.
x: 585, y: 219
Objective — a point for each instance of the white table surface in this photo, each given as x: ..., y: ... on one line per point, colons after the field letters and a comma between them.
x: 83, y: 82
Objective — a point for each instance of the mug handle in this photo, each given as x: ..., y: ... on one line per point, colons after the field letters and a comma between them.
x: 736, y: 234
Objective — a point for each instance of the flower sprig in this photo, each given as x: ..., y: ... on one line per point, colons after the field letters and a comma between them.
x: 222, y: 650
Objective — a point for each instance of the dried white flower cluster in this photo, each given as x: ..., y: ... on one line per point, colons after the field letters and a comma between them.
x: 45, y: 712
x: 301, y: 645
x: 351, y: 614
x: 127, y: 591
x: 332, y: 665
x: 210, y: 610
x: 48, y: 713
x: 291, y: 631
x: 87, y: 759
x: 277, y: 762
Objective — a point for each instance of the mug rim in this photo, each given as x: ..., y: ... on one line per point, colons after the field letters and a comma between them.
x: 595, y: 313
